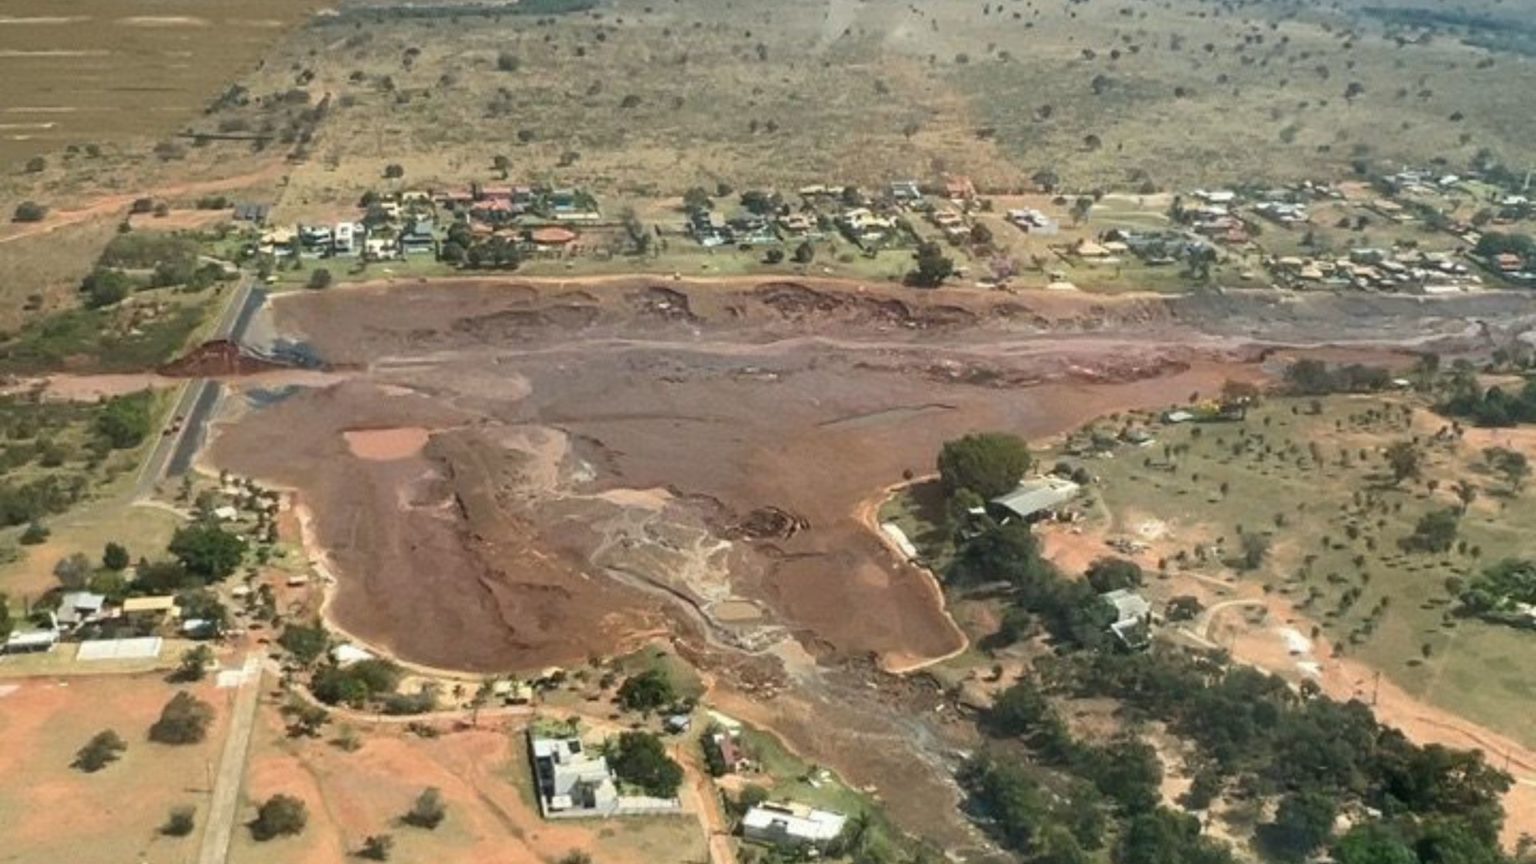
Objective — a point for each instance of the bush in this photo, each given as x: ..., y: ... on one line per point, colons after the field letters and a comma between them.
x: 103, y: 749
x: 647, y: 691
x: 319, y: 279
x: 125, y: 422
x: 105, y: 287
x: 194, y: 664
x: 376, y: 847
x: 181, y: 822
x: 429, y: 810
x: 356, y: 684
x: 115, y: 557
x: 1111, y: 574
x: 34, y: 534
x: 306, y: 642
x: 183, y: 720
x: 278, y: 816
x: 29, y: 211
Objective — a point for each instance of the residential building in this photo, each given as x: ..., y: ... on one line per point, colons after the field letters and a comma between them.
x: 418, y: 238
x: 904, y: 191
x: 791, y: 826
x: 571, y: 780
x: 158, y: 606
x: 347, y: 239
x: 1133, y: 618
x: 78, y: 608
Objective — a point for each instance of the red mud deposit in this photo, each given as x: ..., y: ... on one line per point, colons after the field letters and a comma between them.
x: 758, y: 406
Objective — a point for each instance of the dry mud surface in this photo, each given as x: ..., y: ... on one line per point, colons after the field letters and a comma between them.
x: 567, y: 468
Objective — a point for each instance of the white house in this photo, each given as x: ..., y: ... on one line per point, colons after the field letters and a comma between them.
x: 789, y: 824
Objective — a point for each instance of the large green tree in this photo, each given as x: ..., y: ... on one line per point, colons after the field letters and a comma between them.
x: 638, y: 758
x: 988, y: 463
x: 207, y: 550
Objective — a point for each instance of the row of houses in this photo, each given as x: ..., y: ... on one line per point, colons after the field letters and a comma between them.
x: 1406, y: 271
x: 352, y: 239
x: 81, y: 613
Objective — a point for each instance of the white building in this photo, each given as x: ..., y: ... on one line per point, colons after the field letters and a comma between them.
x: 791, y: 825
x: 347, y: 239
x: 571, y: 780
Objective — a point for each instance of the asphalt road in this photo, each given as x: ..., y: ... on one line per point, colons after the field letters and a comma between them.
x: 174, y: 451
x: 224, y: 808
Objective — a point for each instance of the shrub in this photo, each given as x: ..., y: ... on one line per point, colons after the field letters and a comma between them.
x: 376, y: 847
x: 647, y: 691
x: 194, y: 664
x: 103, y: 749
x: 125, y: 421
x: 278, y: 816
x: 207, y: 550
x: 429, y: 810
x: 115, y: 557
x: 29, y: 211
x: 306, y: 642
x: 183, y: 720
x: 319, y: 279
x: 638, y: 758
x: 180, y: 822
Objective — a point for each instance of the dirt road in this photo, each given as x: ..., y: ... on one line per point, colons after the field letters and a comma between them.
x: 224, y: 807
x: 111, y: 206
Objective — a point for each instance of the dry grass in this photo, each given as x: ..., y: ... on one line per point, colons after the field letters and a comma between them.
x: 637, y: 101
x: 52, y: 812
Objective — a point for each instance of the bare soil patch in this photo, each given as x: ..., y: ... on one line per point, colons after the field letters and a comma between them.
x: 386, y: 445
x: 61, y: 814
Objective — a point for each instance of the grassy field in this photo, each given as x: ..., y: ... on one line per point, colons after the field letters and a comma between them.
x: 1318, y: 486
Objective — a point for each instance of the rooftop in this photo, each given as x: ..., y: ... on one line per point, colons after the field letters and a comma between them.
x: 1037, y: 494
x: 793, y: 821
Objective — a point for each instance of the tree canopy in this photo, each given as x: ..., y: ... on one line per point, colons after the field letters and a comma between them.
x: 988, y: 463
x: 639, y: 759
x: 207, y: 550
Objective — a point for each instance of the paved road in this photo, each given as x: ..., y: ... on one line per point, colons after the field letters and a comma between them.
x: 173, y: 452
x: 167, y: 444
x: 224, y: 809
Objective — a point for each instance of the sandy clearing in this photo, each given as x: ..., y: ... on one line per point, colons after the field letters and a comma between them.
x: 386, y: 445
